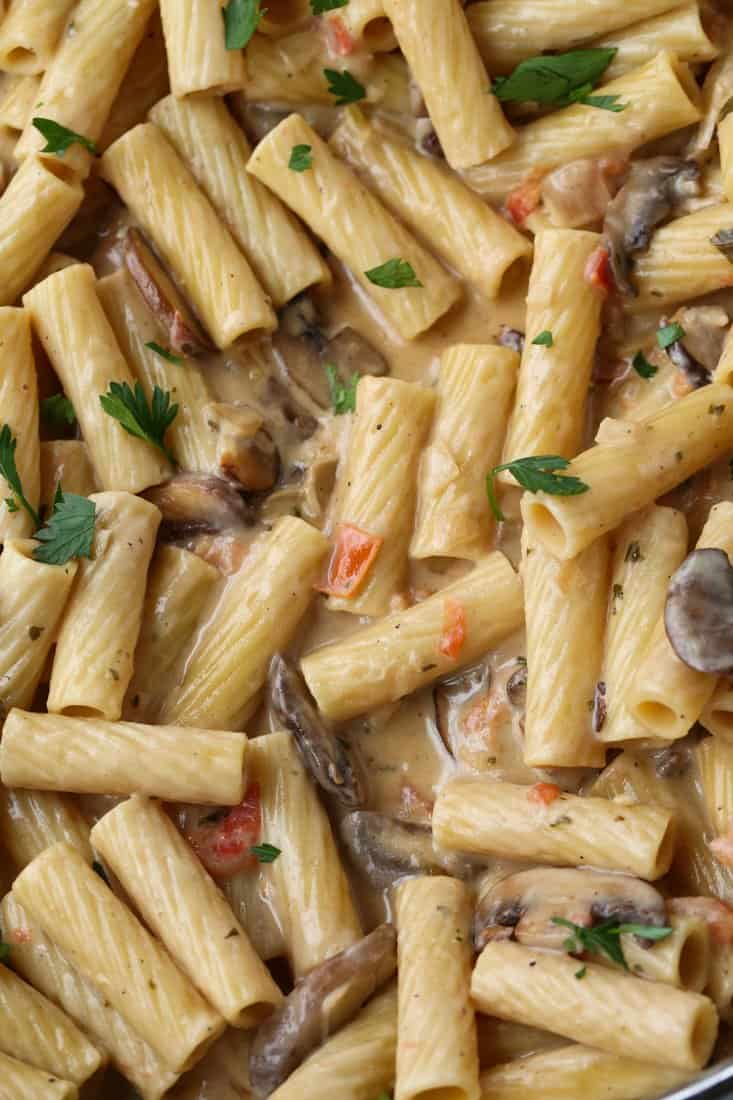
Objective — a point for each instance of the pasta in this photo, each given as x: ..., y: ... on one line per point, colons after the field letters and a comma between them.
x: 18, y: 397
x: 29, y: 34
x: 198, y: 60
x: 22, y: 1082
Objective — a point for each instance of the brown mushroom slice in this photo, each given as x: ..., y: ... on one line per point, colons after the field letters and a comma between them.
x: 385, y: 849
x: 299, y: 368
x: 698, y: 614
x: 246, y: 452
x: 705, y: 330
x: 162, y: 296
x: 326, y: 756
x: 320, y: 1003
x: 527, y: 901
x: 351, y: 353
x: 196, y: 504
x: 450, y: 695
x: 511, y: 338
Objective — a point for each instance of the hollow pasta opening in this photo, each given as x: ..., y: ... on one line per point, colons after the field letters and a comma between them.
x: 287, y: 12
x: 83, y: 712
x: 20, y: 58
x: 666, y: 850
x: 61, y: 171
x: 704, y: 1033
x: 547, y: 528
x: 378, y: 34
x: 658, y: 716
x: 722, y: 721
x: 693, y: 960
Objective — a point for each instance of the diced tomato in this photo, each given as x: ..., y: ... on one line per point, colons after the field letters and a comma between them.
x: 353, y: 554
x: 598, y: 270
x: 338, y: 36
x: 223, y: 846
x: 21, y: 935
x: 544, y: 794
x: 717, y: 915
x: 454, y: 629
x: 523, y: 200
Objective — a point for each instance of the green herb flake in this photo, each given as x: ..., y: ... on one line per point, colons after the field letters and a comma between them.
x: 343, y: 395
x: 604, y: 103
x: 9, y: 471
x: 604, y: 939
x: 669, y: 334
x: 393, y: 275
x: 301, y: 158
x: 241, y: 19
x: 164, y: 353
x: 58, y: 411
x: 318, y: 7
x: 537, y: 475
x: 544, y: 340
x: 138, y: 418
x: 580, y: 974
x: 266, y: 853
x: 345, y: 86
x: 558, y: 80
x: 69, y: 532
x: 642, y: 366
x: 4, y: 951
x: 59, y: 138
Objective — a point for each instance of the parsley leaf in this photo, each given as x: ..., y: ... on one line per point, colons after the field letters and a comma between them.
x: 69, y: 532
x: 164, y: 353
x: 345, y: 86
x: 266, y: 853
x: 148, y: 422
x: 9, y: 471
x: 558, y: 79
x: 393, y: 275
x: 536, y: 474
x: 669, y: 334
x: 642, y: 366
x: 343, y: 395
x: 300, y: 158
x: 544, y: 339
x: 604, y: 939
x: 319, y: 6
x: 241, y: 19
x: 604, y: 102
x: 4, y: 951
x: 58, y: 410
x: 59, y: 138
x: 579, y: 974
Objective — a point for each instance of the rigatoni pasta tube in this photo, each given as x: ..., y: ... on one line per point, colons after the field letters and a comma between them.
x: 715, y: 766
x: 625, y: 1015
x: 725, y: 144
x: 35, y: 208
x: 724, y: 370
x: 682, y: 959
x: 718, y: 714
x: 503, y: 819
x: 19, y: 1081
x: 680, y: 31
x: 198, y: 60
x: 93, y: 662
x: 658, y: 98
x: 18, y: 95
x: 19, y: 404
x: 376, y: 488
x: 666, y: 695
x: 182, y: 905
x: 661, y: 274
x: 436, y: 1046
x: 30, y: 32
x: 549, y: 409
x: 41, y: 963
x: 50, y: 752
x: 66, y: 462
x: 312, y: 897
x: 216, y: 150
x: 404, y: 651
x: 565, y: 616
x: 31, y: 821
x: 358, y: 229
x: 642, y: 462
x: 474, y: 391
x: 432, y: 202
x: 366, y: 20
x: 158, y: 188
x: 78, y: 339
x: 33, y: 596
x: 108, y: 945
x: 254, y: 617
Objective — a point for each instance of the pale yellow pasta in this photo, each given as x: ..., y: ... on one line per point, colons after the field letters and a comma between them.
x: 659, y: 97
x: 437, y: 43
x: 191, y: 438
x: 198, y: 60
x: 404, y: 651
x: 718, y: 714
x: 649, y: 547
x: 724, y: 370
x: 436, y: 1046
x: 432, y: 202
x: 66, y: 462
x: 178, y: 587
x: 32, y: 601
x: 504, y: 1041
x: 504, y: 819
x: 579, y: 1071
x: 54, y: 753
x: 17, y: 97
x: 19, y: 405
x: 679, y: 30
x: 474, y: 391
x: 161, y: 193
x: 377, y: 483
x: 565, y: 616
x: 720, y: 984
x: 549, y: 409
x: 19, y: 1081
x: 661, y: 275
x: 110, y: 948
x: 37, y: 1032
x: 361, y: 1057
x: 254, y: 617
x: 30, y: 33
x: 366, y: 21
x: 31, y: 821
x: 145, y: 82
x: 35, y: 208
x: 715, y: 765
x: 182, y: 905
x: 638, y: 463
x: 360, y: 232
x: 626, y: 1015
x: 214, y: 147
x: 78, y: 339
x: 666, y: 695
x: 93, y: 662
x: 725, y: 145
x: 682, y: 959
x: 311, y: 894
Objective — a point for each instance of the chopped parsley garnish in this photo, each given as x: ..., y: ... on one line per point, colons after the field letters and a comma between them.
x: 69, y: 532
x: 669, y: 334
x: 343, y: 394
x: 319, y: 6
x: 60, y: 138
x: 537, y: 474
x: 266, y: 853
x: 241, y: 19
x: 5, y: 952
x: 642, y: 366
x: 58, y: 410
x: 164, y: 353
x: 544, y: 339
x: 560, y: 80
x: 579, y: 974
x: 301, y: 158
x: 345, y: 86
x: 604, y: 103
x: 604, y: 939
x: 9, y: 471
x: 137, y: 417
x: 393, y: 274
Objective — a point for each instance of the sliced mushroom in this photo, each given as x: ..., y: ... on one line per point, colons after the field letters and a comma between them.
x: 351, y: 353
x: 599, y: 706
x: 516, y: 685
x: 300, y: 318
x: 195, y: 504
x: 384, y: 848
x: 578, y: 193
x: 450, y: 695
x: 695, y: 373
x: 643, y: 202
x: 319, y: 1004
x: 299, y: 369
x: 699, y: 612
x: 295, y: 410
x: 246, y: 452
x: 527, y: 901
x: 162, y: 297
x: 326, y: 756
x: 705, y: 329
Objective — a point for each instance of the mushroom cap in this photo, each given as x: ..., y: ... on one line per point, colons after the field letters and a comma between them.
x: 698, y: 614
